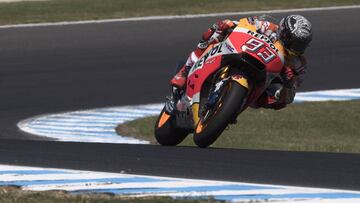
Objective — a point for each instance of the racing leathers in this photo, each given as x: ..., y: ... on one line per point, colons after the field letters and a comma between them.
x: 278, y: 94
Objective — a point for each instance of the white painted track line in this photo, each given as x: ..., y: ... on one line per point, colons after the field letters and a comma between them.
x: 333, y: 8
x: 44, y: 179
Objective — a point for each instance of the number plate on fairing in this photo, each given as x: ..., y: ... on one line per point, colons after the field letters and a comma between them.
x: 260, y: 47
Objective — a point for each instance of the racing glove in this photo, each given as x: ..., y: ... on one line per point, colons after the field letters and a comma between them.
x: 216, y: 33
x: 292, y: 78
x: 267, y: 28
x: 286, y: 94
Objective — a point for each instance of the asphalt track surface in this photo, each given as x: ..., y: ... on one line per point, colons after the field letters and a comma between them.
x: 64, y: 68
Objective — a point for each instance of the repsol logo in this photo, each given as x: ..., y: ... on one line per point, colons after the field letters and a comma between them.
x: 264, y: 38
x: 215, y: 50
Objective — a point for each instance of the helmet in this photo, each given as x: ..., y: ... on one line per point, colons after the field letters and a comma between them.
x: 295, y: 33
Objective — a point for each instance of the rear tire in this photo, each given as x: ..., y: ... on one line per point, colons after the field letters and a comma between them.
x: 165, y: 131
x: 226, y: 110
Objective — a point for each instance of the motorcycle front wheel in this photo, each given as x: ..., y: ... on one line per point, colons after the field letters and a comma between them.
x: 166, y: 132
x: 214, y: 121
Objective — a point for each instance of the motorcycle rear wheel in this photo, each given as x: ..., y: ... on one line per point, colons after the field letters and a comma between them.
x: 166, y: 132
x: 210, y: 127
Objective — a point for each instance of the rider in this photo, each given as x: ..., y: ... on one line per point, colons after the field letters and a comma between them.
x: 294, y: 32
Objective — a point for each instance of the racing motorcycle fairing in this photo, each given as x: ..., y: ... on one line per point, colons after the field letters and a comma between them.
x: 228, y: 77
x: 201, y: 70
x: 256, y: 59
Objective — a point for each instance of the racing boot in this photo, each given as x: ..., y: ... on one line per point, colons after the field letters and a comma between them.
x: 178, y: 85
x: 172, y: 100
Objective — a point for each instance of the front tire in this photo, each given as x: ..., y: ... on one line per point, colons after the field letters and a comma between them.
x: 210, y: 128
x: 166, y: 132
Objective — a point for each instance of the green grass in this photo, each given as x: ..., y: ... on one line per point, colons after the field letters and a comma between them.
x: 69, y: 10
x: 327, y: 126
x: 16, y: 195
x: 315, y: 126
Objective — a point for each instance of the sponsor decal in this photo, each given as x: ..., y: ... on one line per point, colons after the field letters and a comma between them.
x: 241, y: 80
x: 264, y: 38
x: 203, y: 44
x: 210, y: 61
x: 215, y: 50
x: 229, y: 47
x: 237, y: 77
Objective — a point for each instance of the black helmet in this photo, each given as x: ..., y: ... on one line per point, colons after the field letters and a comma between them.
x: 295, y: 33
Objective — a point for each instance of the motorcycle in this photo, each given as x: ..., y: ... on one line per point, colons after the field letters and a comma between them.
x: 226, y: 80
